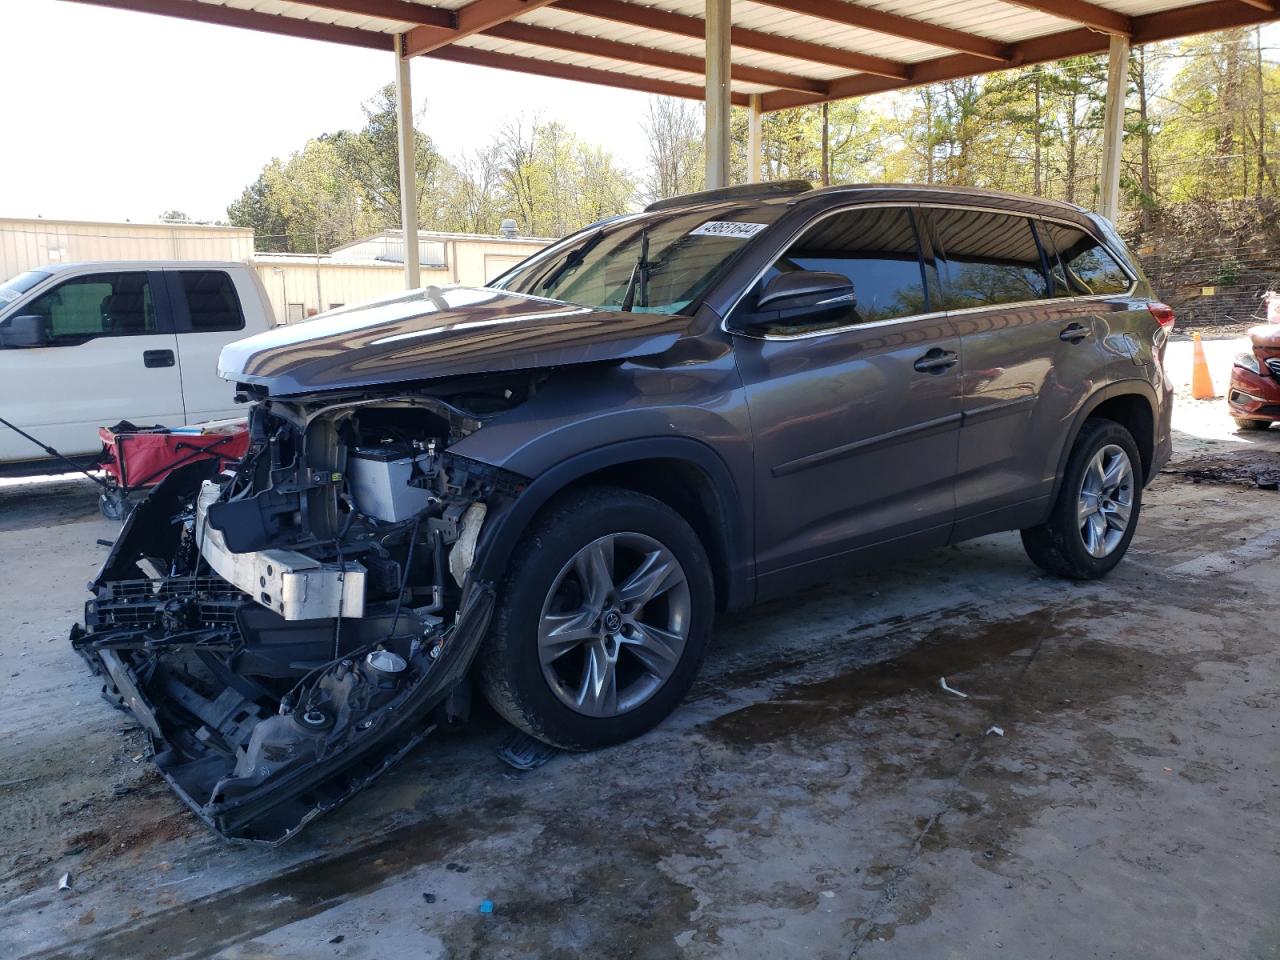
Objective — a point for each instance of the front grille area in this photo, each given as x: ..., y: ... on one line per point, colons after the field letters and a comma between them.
x: 195, y: 602
x: 1273, y: 364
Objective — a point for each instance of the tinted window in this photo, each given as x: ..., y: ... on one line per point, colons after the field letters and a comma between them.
x: 987, y: 258
x: 98, y: 305
x: 876, y: 249
x: 211, y: 301
x: 1083, y: 266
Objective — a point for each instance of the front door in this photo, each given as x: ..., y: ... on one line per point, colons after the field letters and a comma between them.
x: 110, y: 355
x: 854, y: 402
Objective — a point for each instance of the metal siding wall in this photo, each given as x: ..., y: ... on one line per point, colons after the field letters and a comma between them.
x: 27, y: 244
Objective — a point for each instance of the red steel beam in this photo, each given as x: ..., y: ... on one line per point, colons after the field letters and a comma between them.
x: 895, y: 25
x: 253, y: 20
x: 1084, y: 13
x: 564, y: 71
x: 1148, y: 28
x: 474, y: 17
x: 650, y: 56
x: 633, y: 14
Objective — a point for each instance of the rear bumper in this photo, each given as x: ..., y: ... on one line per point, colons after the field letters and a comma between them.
x: 1251, y: 396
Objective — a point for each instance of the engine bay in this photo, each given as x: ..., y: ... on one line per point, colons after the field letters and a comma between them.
x: 288, y: 629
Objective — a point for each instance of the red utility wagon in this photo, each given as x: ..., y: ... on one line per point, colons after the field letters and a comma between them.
x: 136, y: 457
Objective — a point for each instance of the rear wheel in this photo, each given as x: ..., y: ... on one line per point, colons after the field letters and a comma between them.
x: 1243, y: 423
x: 1096, y: 512
x: 601, y: 622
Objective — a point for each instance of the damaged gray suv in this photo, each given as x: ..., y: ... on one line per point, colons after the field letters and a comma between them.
x: 544, y: 490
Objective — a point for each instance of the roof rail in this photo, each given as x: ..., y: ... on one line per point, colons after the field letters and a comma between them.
x: 746, y: 191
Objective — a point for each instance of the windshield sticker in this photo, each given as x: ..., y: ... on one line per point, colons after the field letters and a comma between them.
x: 727, y: 228
x: 8, y: 296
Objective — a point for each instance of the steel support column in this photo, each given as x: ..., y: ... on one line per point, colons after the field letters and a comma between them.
x: 1113, y: 127
x: 719, y: 54
x: 406, y: 144
x: 755, y: 133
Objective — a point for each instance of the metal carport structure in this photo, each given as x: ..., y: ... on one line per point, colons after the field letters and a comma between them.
x: 761, y: 54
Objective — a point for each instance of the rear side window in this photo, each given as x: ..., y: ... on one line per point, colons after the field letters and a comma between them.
x: 1082, y: 265
x: 97, y: 305
x: 987, y: 259
x: 876, y: 248
x: 211, y: 301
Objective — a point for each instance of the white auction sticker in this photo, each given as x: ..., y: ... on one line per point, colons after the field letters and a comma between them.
x: 727, y: 228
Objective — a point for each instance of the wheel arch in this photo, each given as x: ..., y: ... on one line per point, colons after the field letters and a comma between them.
x: 1130, y: 403
x: 686, y: 475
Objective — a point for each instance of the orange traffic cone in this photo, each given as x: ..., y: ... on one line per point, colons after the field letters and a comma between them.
x: 1201, y: 383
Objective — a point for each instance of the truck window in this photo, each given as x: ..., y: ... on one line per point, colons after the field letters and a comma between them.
x: 97, y: 305
x: 211, y: 301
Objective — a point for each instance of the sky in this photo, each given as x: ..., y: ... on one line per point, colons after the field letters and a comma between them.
x: 116, y: 115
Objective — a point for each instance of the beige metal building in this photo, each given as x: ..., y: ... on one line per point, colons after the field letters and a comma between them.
x: 299, y: 285
x: 27, y: 244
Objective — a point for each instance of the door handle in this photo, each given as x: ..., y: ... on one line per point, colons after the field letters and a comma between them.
x: 1074, y: 333
x: 937, y: 360
x: 157, y: 358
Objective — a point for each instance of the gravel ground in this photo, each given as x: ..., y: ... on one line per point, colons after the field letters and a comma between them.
x: 819, y: 795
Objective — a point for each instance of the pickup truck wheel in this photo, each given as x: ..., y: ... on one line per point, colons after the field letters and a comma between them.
x: 601, y: 621
x: 1096, y: 512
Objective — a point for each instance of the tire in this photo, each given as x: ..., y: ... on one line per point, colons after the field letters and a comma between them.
x: 1245, y: 424
x: 533, y: 668
x: 1061, y: 545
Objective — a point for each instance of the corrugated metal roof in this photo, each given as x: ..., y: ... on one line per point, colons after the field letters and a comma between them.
x: 810, y: 43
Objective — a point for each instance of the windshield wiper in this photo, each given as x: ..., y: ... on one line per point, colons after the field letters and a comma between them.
x: 574, y: 259
x: 638, y: 285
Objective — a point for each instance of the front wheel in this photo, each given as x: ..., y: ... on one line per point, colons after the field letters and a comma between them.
x: 601, y: 621
x: 1096, y: 511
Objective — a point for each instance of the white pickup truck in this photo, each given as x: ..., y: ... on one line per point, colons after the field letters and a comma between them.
x: 84, y: 345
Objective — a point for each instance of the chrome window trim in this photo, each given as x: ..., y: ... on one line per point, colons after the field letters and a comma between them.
x: 936, y: 314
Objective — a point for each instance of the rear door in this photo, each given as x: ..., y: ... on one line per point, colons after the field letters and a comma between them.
x: 208, y: 316
x: 111, y: 355
x: 1029, y: 360
x: 855, y: 409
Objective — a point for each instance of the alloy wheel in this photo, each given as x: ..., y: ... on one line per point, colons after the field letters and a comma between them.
x: 614, y: 624
x: 1106, y: 500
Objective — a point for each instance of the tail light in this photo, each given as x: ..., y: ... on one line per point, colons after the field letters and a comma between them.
x: 1162, y: 312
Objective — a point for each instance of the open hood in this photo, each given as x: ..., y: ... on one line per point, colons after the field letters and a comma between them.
x: 440, y: 332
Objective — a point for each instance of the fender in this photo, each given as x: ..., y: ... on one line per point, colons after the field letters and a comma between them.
x: 731, y: 525
x: 1121, y: 388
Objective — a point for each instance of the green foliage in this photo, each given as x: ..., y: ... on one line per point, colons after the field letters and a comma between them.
x: 343, y: 186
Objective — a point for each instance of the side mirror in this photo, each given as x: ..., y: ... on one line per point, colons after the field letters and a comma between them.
x: 28, y: 330
x: 806, y: 288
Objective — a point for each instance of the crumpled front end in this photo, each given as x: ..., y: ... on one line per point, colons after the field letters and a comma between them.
x: 288, y: 629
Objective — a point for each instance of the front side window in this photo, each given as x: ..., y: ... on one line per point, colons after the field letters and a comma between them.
x: 874, y: 248
x: 1083, y: 266
x: 662, y: 262
x: 97, y: 305
x: 211, y: 301
x: 987, y: 259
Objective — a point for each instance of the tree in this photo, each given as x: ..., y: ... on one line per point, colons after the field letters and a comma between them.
x: 676, y: 151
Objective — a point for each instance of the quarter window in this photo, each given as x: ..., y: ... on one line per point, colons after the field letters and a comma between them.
x: 97, y: 305
x: 1083, y: 266
x: 876, y: 249
x: 211, y: 301
x: 987, y: 259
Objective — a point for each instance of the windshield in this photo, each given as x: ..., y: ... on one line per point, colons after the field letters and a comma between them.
x: 12, y: 289
x: 657, y: 263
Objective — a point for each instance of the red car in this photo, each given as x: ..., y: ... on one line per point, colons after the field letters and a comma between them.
x: 1254, y: 396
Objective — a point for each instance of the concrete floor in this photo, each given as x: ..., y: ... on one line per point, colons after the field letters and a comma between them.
x: 818, y: 796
